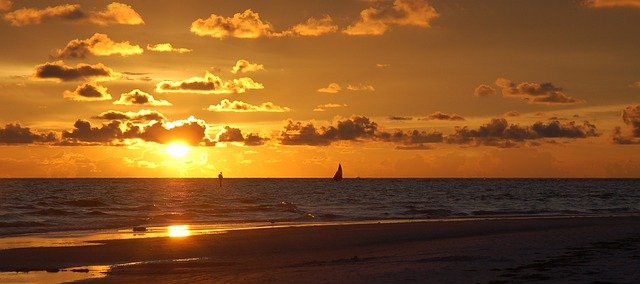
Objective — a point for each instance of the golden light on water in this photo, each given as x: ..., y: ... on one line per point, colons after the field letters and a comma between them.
x: 176, y: 231
x: 177, y: 150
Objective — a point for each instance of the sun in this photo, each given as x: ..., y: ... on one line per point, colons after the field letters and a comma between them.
x: 177, y: 150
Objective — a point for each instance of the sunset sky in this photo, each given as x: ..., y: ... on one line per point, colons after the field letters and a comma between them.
x: 404, y: 88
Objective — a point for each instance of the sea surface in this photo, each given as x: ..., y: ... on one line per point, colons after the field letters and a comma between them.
x: 29, y: 206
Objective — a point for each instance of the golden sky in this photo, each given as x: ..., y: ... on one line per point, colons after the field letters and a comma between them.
x: 404, y: 88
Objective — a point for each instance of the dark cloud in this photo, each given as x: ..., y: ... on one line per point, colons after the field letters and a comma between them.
x: 484, y: 91
x: 512, y: 113
x: 231, y: 134
x: 443, y: 116
x: 400, y: 118
x: 99, y: 45
x: 138, y: 97
x: 59, y: 71
x: 142, y: 115
x: 106, y: 133
x: 534, y: 93
x: 16, y: 134
x: 354, y: 128
x: 115, y: 13
x: 631, y: 117
x: 209, y: 84
x: 88, y: 92
x: 254, y: 139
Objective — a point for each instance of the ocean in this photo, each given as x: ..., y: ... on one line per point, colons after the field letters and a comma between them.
x: 33, y: 206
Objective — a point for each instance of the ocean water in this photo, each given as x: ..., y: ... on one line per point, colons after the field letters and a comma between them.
x: 30, y: 206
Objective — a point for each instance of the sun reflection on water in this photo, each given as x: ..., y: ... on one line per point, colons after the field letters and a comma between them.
x: 177, y: 231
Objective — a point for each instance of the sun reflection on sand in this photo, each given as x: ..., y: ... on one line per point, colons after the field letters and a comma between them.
x: 177, y: 231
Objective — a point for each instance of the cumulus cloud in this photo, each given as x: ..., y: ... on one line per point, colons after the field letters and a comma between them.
x: 534, y: 93
x: 231, y: 134
x: 209, y: 84
x: 512, y: 113
x: 315, y: 27
x: 238, y: 106
x: 142, y: 115
x: 354, y: 128
x: 138, y: 97
x: 413, y: 137
x: 167, y: 47
x: 484, y: 91
x: 115, y: 13
x: 5, y: 5
x: 16, y: 134
x: 377, y: 20
x: 99, y: 45
x: 444, y: 116
x: 631, y: 117
x: 242, y: 25
x: 498, y: 132
x: 612, y: 3
x: 361, y: 87
x: 329, y: 105
x: 59, y: 71
x: 331, y: 89
x: 88, y: 92
x: 244, y: 66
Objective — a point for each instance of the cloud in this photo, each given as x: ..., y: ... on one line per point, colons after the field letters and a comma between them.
x: 5, y: 5
x: 329, y: 105
x: 361, y: 87
x: 498, y: 132
x: 138, y: 97
x: 230, y: 134
x: 612, y: 3
x: 534, y: 93
x: 413, y: 137
x: 331, y: 89
x: 167, y: 47
x: 107, y: 133
x: 379, y: 65
x: 99, y: 45
x: 630, y: 117
x: 209, y: 84
x: 315, y: 27
x: 401, y: 118
x: 512, y: 113
x: 88, y: 92
x: 238, y: 106
x: 16, y: 134
x: 377, y: 20
x: 244, y: 66
x: 59, y: 71
x: 484, y: 91
x: 443, y: 116
x: 142, y: 115
x: 242, y: 25
x: 353, y: 129
x: 115, y: 13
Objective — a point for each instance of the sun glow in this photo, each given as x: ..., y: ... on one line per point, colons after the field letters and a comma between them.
x: 178, y: 231
x: 177, y: 150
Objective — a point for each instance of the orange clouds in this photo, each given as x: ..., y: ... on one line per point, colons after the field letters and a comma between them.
x: 142, y: 115
x: 167, y: 47
x: 115, y: 13
x: 58, y: 71
x: 361, y: 87
x: 376, y: 21
x: 239, y: 106
x: 315, y: 27
x: 612, y: 3
x: 138, y: 97
x: 244, y: 66
x: 87, y: 93
x: 99, y: 45
x: 209, y: 84
x: 329, y: 105
x: 242, y: 25
x: 443, y: 116
x: 331, y: 89
x: 534, y: 93
x: 484, y: 91
x: 5, y: 5
x: 334, y: 88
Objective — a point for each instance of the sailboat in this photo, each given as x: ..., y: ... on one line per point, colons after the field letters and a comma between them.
x: 338, y: 175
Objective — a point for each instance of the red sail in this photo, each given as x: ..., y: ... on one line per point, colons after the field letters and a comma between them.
x: 338, y: 175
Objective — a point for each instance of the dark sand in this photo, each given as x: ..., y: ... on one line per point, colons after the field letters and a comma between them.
x: 603, y: 249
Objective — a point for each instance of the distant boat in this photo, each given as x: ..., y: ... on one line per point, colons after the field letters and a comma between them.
x: 338, y: 175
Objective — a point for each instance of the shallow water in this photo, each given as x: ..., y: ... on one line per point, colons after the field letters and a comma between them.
x: 59, y: 205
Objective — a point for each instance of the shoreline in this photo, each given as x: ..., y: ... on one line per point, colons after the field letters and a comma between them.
x: 486, y: 250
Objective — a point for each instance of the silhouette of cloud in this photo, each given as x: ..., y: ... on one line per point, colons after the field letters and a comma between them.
x: 534, y: 93
x: 59, y: 71
x: 209, y: 84
x: 315, y: 27
x: 16, y: 134
x: 631, y: 117
x: 230, y: 134
x: 138, y: 97
x: 88, y: 92
x: 99, y: 45
x: 331, y: 89
x: 167, y: 47
x: 401, y: 118
x: 484, y: 91
x: 141, y: 115
x: 354, y: 128
x: 443, y: 116
x: 612, y: 3
x: 244, y: 66
x: 115, y: 13
x: 377, y: 20
x: 512, y: 113
x: 238, y: 106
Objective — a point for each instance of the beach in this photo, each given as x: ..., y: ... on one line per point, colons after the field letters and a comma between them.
x: 555, y: 249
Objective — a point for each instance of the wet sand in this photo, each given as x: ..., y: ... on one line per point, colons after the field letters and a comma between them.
x: 603, y: 249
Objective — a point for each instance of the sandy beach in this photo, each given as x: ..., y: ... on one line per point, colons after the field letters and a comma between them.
x: 552, y: 249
